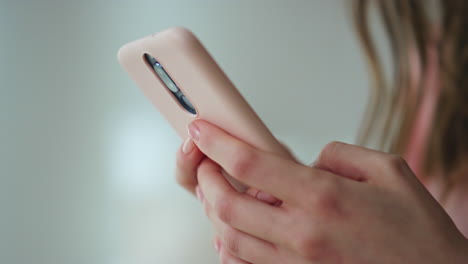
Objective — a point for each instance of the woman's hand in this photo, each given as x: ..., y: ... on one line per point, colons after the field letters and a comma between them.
x: 354, y: 206
x: 189, y: 158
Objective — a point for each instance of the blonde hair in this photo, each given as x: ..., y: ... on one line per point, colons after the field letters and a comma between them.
x: 391, y: 110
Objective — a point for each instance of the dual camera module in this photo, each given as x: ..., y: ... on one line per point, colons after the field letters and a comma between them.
x: 170, y: 84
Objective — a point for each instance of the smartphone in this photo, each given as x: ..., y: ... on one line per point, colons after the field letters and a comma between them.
x: 184, y: 83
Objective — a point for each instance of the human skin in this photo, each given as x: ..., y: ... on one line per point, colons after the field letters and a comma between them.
x: 355, y: 205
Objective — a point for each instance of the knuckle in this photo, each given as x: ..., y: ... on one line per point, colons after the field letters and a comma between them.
x: 224, y: 208
x: 243, y: 162
x: 326, y: 200
x: 395, y: 163
x: 311, y: 246
x: 231, y: 240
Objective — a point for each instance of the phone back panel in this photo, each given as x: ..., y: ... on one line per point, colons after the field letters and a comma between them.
x: 198, y: 76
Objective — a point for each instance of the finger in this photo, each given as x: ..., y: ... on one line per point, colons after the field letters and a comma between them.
x: 188, y: 159
x: 265, y: 197
x: 358, y: 163
x: 239, y: 210
x: 239, y: 244
x: 261, y: 170
x: 226, y: 257
x: 248, y: 248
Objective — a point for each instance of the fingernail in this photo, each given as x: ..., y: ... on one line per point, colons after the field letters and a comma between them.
x: 194, y: 132
x: 267, y: 198
x: 217, y: 245
x: 188, y: 146
x: 199, y: 193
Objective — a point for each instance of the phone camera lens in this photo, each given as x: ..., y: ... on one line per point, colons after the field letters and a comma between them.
x: 170, y: 84
x: 151, y: 60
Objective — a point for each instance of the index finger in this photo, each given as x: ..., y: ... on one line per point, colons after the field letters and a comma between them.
x: 277, y: 176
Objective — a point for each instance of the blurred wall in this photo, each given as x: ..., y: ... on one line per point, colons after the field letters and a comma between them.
x: 87, y: 163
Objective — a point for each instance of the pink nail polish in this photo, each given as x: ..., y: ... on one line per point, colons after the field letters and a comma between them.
x: 188, y: 146
x: 194, y: 132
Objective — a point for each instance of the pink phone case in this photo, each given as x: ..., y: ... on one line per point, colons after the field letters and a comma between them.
x: 198, y: 76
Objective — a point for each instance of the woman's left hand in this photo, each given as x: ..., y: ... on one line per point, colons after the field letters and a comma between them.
x: 354, y: 205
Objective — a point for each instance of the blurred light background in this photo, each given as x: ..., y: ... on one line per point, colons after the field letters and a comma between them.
x: 87, y: 163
